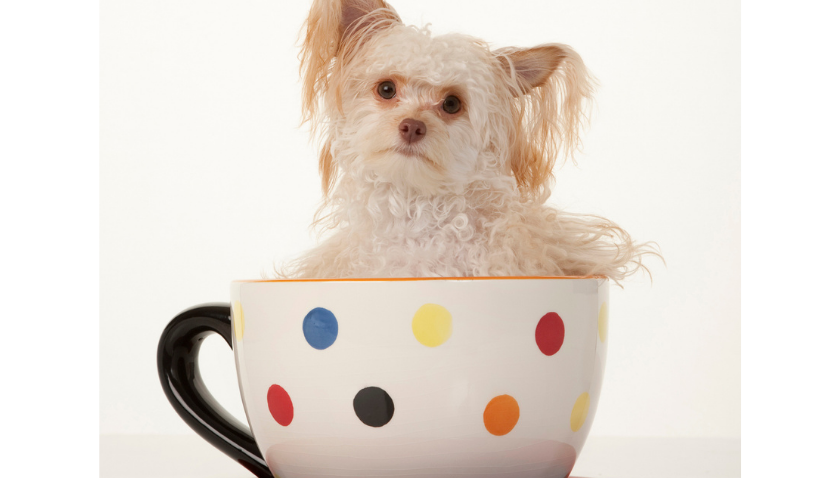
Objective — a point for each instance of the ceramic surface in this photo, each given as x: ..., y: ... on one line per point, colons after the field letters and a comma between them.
x: 423, y: 378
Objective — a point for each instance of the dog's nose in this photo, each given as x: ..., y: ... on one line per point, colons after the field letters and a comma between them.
x: 412, y: 130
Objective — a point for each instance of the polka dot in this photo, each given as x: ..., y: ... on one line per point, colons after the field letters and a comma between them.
x: 550, y: 333
x: 603, y: 318
x: 280, y: 405
x: 238, y: 320
x: 373, y: 406
x: 432, y: 325
x: 501, y: 415
x: 580, y: 411
x: 320, y: 328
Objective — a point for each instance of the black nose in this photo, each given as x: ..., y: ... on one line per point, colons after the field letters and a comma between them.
x: 412, y: 130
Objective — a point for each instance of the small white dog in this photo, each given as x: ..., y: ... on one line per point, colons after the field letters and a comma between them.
x: 437, y: 153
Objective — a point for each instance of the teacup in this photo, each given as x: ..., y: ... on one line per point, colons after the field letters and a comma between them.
x: 467, y: 377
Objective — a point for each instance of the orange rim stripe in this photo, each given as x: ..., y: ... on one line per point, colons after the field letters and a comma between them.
x: 404, y: 279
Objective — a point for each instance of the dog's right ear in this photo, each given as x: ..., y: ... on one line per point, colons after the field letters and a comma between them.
x: 334, y: 31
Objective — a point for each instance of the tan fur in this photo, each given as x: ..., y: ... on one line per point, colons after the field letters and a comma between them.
x: 553, y: 90
x: 333, y: 31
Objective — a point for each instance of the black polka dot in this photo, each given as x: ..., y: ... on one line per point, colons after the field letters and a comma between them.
x: 373, y: 406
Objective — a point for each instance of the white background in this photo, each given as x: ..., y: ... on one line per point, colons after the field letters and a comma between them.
x: 205, y: 177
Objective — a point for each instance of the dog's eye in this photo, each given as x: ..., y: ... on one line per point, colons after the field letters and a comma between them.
x: 451, y: 104
x: 387, y: 89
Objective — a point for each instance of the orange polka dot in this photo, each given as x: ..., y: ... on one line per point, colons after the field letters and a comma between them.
x: 501, y: 415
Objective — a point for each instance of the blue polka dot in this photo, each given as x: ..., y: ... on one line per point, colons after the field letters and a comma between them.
x: 320, y: 328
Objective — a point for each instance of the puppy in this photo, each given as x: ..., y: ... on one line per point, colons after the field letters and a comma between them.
x: 437, y: 154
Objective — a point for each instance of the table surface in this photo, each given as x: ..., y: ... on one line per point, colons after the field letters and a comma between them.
x: 189, y: 456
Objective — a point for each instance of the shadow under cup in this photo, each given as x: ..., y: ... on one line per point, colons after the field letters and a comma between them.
x: 413, y: 378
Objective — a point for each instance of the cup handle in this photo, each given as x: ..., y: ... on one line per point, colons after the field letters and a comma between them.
x: 177, y: 362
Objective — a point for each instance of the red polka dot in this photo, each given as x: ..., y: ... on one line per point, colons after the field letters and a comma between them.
x: 280, y: 405
x: 550, y: 333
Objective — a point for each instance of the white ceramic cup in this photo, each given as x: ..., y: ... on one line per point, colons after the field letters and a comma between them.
x: 478, y: 377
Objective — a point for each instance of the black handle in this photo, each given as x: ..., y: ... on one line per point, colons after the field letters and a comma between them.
x: 177, y: 361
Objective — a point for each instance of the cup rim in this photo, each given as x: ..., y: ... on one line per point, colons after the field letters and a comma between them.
x: 413, y: 279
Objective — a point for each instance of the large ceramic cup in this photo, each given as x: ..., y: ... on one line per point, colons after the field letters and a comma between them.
x: 489, y: 377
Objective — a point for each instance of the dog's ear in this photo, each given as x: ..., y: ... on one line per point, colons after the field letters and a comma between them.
x: 360, y: 14
x: 530, y: 68
x: 551, y: 91
x: 334, y: 31
x: 332, y: 34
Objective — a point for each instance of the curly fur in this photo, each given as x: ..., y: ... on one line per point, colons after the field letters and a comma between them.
x: 468, y: 199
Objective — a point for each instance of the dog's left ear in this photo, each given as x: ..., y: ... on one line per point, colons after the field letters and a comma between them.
x: 530, y: 68
x: 552, y: 90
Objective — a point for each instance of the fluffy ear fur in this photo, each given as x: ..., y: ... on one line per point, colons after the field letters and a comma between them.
x: 334, y: 31
x: 552, y: 90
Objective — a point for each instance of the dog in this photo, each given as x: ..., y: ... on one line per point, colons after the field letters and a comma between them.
x: 437, y: 154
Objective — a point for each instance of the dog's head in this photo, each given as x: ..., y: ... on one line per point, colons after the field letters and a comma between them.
x: 396, y: 105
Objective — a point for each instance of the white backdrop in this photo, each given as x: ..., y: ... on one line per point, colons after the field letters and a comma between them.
x: 206, y: 178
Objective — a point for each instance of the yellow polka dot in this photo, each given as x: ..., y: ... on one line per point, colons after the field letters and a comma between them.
x: 432, y: 325
x: 580, y: 411
x: 603, y: 318
x: 238, y: 320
